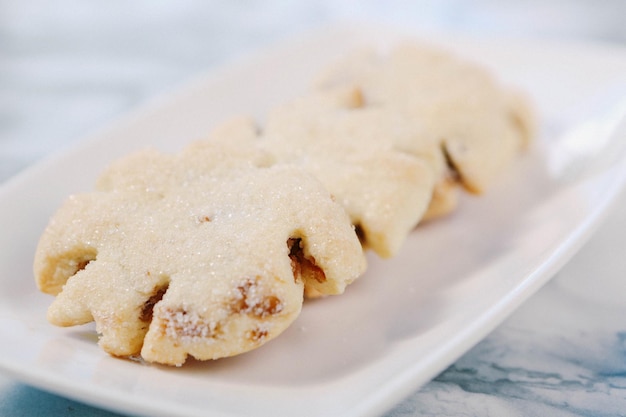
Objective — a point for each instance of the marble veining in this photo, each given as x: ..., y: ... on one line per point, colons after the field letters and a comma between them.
x: 563, y: 353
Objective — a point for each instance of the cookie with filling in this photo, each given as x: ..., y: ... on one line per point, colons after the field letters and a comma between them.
x: 205, y: 253
x: 479, y: 125
x: 378, y: 165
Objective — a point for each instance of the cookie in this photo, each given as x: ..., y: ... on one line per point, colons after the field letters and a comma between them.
x: 206, y: 253
x: 480, y: 125
x: 377, y: 164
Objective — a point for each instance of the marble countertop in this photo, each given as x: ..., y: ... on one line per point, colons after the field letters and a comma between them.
x: 69, y: 67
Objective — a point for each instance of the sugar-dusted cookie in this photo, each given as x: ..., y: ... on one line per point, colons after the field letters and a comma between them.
x: 378, y: 165
x: 205, y: 253
x: 480, y: 125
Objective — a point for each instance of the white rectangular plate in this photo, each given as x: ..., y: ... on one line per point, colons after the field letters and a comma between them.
x: 407, y: 318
